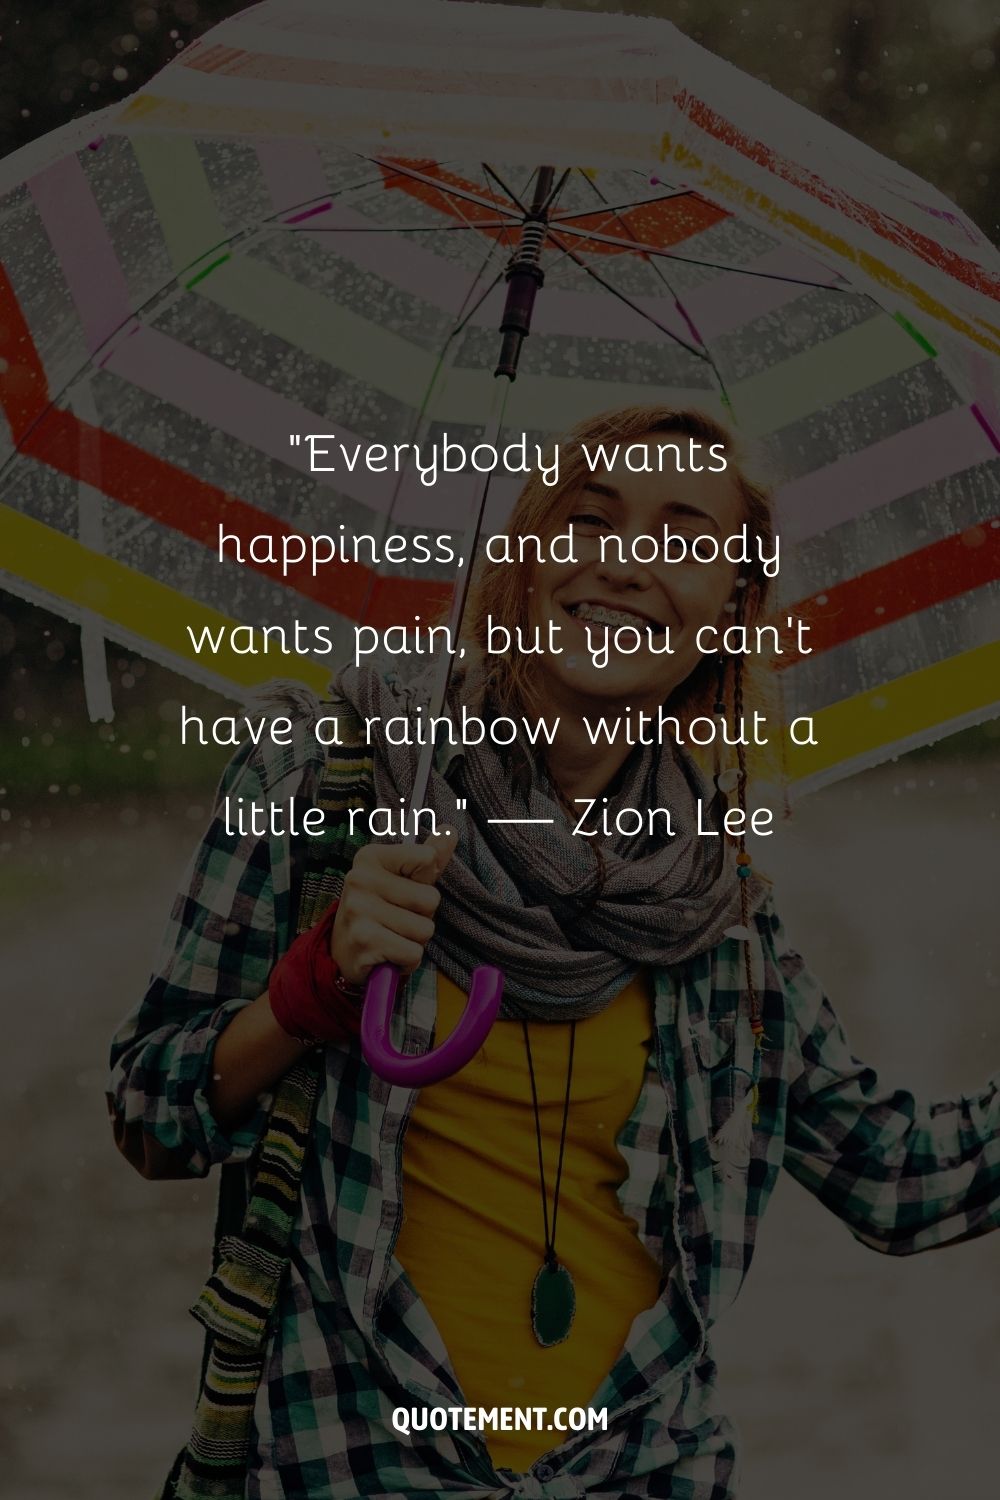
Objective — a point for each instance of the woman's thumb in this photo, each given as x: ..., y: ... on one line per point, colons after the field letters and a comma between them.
x: 443, y: 844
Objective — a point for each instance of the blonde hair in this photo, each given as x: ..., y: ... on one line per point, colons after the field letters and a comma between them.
x: 499, y: 590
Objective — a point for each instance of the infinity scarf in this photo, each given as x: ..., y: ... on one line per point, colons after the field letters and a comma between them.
x: 570, y: 920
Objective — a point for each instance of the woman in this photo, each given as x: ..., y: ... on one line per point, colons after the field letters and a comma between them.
x: 560, y: 1223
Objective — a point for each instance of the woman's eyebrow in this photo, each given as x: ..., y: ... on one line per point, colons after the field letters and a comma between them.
x: 606, y: 491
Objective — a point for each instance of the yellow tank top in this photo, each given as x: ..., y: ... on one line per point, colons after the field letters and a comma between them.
x: 472, y: 1236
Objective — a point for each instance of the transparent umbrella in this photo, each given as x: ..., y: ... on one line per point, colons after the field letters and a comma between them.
x: 332, y: 221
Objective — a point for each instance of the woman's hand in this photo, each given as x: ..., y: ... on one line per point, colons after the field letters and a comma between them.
x: 387, y: 906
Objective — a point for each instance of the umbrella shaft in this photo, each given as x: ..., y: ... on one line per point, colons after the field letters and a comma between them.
x: 442, y: 672
x: 510, y: 353
x: 524, y: 277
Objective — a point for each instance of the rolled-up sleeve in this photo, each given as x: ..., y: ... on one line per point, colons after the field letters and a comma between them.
x: 904, y: 1175
x: 227, y: 927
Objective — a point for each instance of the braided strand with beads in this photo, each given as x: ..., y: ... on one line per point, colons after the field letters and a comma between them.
x: 744, y: 869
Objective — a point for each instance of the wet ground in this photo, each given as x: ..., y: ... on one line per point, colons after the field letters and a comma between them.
x: 849, y: 1373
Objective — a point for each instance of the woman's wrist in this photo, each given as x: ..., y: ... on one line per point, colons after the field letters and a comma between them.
x: 311, y: 1000
x: 348, y: 989
x: 252, y: 1053
x: 281, y: 1022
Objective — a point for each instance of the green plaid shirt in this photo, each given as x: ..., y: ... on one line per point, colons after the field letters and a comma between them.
x: 353, y: 1338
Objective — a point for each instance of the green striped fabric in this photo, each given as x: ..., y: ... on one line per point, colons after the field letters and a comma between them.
x: 237, y: 1302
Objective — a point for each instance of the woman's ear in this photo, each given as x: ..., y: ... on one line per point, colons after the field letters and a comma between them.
x: 734, y: 611
x: 729, y: 614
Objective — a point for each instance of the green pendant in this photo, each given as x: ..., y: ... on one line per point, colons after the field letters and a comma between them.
x: 553, y: 1304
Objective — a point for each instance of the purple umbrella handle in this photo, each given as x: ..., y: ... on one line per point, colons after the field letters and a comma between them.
x: 463, y: 1044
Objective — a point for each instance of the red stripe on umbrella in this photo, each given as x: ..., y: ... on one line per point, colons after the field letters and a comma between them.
x: 175, y: 498
x: 941, y: 571
x: 887, y: 228
x: 665, y: 222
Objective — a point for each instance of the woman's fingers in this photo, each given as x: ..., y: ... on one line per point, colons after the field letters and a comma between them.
x: 375, y: 944
x: 408, y: 924
x: 421, y: 863
x: 398, y: 859
x: 410, y: 894
x: 387, y: 904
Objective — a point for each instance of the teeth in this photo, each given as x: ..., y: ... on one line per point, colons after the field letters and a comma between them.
x: 602, y: 615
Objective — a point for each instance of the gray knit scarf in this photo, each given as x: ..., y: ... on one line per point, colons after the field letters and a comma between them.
x: 569, y: 920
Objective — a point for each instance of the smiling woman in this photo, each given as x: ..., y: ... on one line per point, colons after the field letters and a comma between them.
x: 602, y: 587
x: 581, y: 1197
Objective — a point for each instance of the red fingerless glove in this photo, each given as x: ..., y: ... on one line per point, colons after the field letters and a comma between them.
x: 310, y: 999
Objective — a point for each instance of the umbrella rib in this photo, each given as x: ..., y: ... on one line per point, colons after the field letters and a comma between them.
x: 444, y: 356
x: 503, y: 187
x: 333, y: 193
x: 168, y: 291
x: 505, y: 237
x: 578, y: 259
x: 279, y: 220
x: 691, y: 260
x: 467, y: 223
x: 662, y: 277
x: 465, y: 319
x: 556, y: 190
x: 565, y: 251
x: 464, y: 227
x: 442, y: 187
x: 614, y: 208
x: 340, y: 192
x: 553, y: 195
x: 175, y: 286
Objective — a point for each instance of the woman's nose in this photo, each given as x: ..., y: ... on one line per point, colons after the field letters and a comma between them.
x: 623, y: 572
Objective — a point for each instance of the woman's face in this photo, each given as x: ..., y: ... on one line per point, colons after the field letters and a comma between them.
x: 596, y: 595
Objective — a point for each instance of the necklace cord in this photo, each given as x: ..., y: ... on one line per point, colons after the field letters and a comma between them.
x: 551, y: 1259
x: 562, y: 1136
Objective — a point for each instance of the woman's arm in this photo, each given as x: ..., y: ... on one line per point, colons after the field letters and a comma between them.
x: 194, y: 1064
x: 904, y: 1175
x: 230, y: 920
x: 251, y: 1055
x: 384, y: 915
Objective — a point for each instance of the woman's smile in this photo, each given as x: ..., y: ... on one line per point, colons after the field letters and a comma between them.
x: 641, y: 617
x: 610, y: 613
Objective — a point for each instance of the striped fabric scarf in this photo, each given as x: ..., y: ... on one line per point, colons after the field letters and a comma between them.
x: 570, y: 920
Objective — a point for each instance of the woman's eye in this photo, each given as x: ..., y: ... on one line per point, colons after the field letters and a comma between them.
x: 588, y: 518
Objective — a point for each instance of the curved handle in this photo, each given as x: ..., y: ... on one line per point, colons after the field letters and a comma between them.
x: 452, y: 1055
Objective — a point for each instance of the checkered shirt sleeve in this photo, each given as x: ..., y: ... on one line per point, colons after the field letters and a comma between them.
x: 223, y: 937
x: 905, y: 1175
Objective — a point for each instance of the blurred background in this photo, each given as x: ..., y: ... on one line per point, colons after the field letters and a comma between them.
x: 916, y: 79
x: 845, y: 1370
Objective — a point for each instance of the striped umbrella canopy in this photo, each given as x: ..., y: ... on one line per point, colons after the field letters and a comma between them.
x: 302, y: 226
